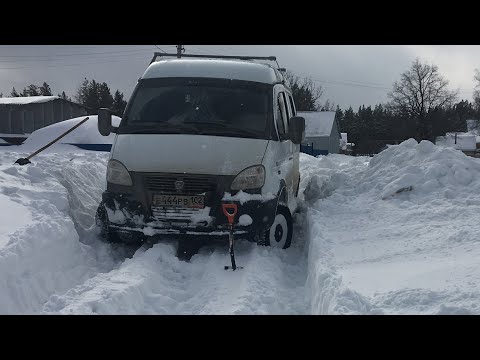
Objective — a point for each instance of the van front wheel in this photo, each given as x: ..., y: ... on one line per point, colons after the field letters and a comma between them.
x: 280, y: 233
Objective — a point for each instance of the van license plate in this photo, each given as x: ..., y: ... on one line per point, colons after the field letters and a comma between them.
x: 197, y: 202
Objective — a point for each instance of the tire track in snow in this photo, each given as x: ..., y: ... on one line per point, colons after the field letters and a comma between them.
x: 154, y: 281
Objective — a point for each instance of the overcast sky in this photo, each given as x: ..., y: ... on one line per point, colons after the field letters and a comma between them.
x: 351, y: 75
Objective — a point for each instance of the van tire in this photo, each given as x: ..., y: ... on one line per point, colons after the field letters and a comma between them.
x: 107, y: 234
x: 280, y: 233
x: 101, y: 220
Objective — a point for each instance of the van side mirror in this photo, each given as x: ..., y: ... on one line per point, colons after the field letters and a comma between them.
x: 105, y: 122
x: 296, y: 130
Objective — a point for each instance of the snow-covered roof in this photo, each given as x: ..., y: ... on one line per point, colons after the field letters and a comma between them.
x: 212, y: 68
x: 26, y: 100
x: 318, y: 123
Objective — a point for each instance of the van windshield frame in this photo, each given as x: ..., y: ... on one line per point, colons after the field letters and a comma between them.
x: 200, y: 106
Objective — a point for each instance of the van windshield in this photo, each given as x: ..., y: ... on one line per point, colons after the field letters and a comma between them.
x: 221, y: 107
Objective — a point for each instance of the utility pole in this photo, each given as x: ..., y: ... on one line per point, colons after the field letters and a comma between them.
x: 179, y: 51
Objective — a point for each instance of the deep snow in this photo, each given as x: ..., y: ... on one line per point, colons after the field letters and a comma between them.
x: 87, y: 133
x: 392, y: 234
x: 374, y: 248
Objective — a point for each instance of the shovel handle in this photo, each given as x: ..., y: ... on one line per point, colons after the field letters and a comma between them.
x: 58, y: 138
x: 230, y: 216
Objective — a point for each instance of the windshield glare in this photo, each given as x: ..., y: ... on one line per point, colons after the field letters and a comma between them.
x: 216, y: 110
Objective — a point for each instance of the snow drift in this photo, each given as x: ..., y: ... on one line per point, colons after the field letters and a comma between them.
x: 47, y: 239
x: 87, y: 133
x: 398, y: 234
x: 392, y: 234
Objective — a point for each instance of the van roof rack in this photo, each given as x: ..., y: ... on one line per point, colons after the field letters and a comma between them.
x: 270, y: 58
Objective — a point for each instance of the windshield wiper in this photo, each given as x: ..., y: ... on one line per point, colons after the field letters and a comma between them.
x: 205, y: 128
x: 230, y: 131
x: 163, y: 128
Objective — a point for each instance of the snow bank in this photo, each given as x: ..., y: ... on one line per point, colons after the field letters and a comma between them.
x: 87, y: 133
x: 321, y: 176
x: 423, y: 171
x: 396, y: 235
x: 47, y: 238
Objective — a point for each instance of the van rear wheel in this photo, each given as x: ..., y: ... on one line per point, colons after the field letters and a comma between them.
x: 280, y: 233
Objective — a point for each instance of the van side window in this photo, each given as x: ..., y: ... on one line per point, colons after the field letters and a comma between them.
x: 279, y: 120
x: 287, y: 108
x: 292, y: 105
x: 283, y: 109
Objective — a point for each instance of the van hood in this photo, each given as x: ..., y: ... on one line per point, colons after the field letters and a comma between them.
x: 196, y: 154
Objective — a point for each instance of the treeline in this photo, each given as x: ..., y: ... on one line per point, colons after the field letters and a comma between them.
x: 420, y: 106
x: 372, y: 128
x: 90, y: 93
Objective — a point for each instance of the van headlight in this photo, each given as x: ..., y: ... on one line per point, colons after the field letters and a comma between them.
x: 118, y: 174
x: 251, y: 178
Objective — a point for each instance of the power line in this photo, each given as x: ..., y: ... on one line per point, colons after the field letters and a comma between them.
x: 65, y: 65
x: 52, y: 60
x: 80, y: 54
x: 213, y: 52
x: 160, y: 49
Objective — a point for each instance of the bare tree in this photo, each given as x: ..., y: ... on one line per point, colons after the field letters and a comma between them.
x: 305, y: 92
x: 420, y: 90
x: 328, y: 106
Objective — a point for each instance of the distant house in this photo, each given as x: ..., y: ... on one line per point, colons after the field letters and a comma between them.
x: 20, y: 116
x: 322, y: 133
x: 465, y: 142
x: 468, y: 143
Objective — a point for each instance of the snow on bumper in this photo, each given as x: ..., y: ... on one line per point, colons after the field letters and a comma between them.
x: 126, y: 213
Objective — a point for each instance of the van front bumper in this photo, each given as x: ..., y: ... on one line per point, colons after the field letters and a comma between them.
x: 129, y: 212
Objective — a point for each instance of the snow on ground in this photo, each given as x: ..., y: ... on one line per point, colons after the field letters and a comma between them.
x: 87, y: 133
x: 399, y: 233
x: 51, y: 259
x: 47, y: 239
x: 392, y: 234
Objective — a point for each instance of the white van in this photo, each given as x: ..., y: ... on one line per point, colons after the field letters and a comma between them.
x: 197, y: 132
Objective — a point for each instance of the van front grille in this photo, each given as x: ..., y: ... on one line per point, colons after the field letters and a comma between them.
x: 192, y: 184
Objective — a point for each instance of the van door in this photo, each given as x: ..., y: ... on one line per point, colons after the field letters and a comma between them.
x: 283, y: 147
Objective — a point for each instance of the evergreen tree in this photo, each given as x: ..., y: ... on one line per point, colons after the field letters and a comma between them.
x: 379, y: 123
x: 118, y: 104
x: 14, y: 93
x: 64, y: 96
x: 339, y: 116
x: 45, y: 90
x: 31, y: 90
x: 105, y: 98
x: 97, y: 95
